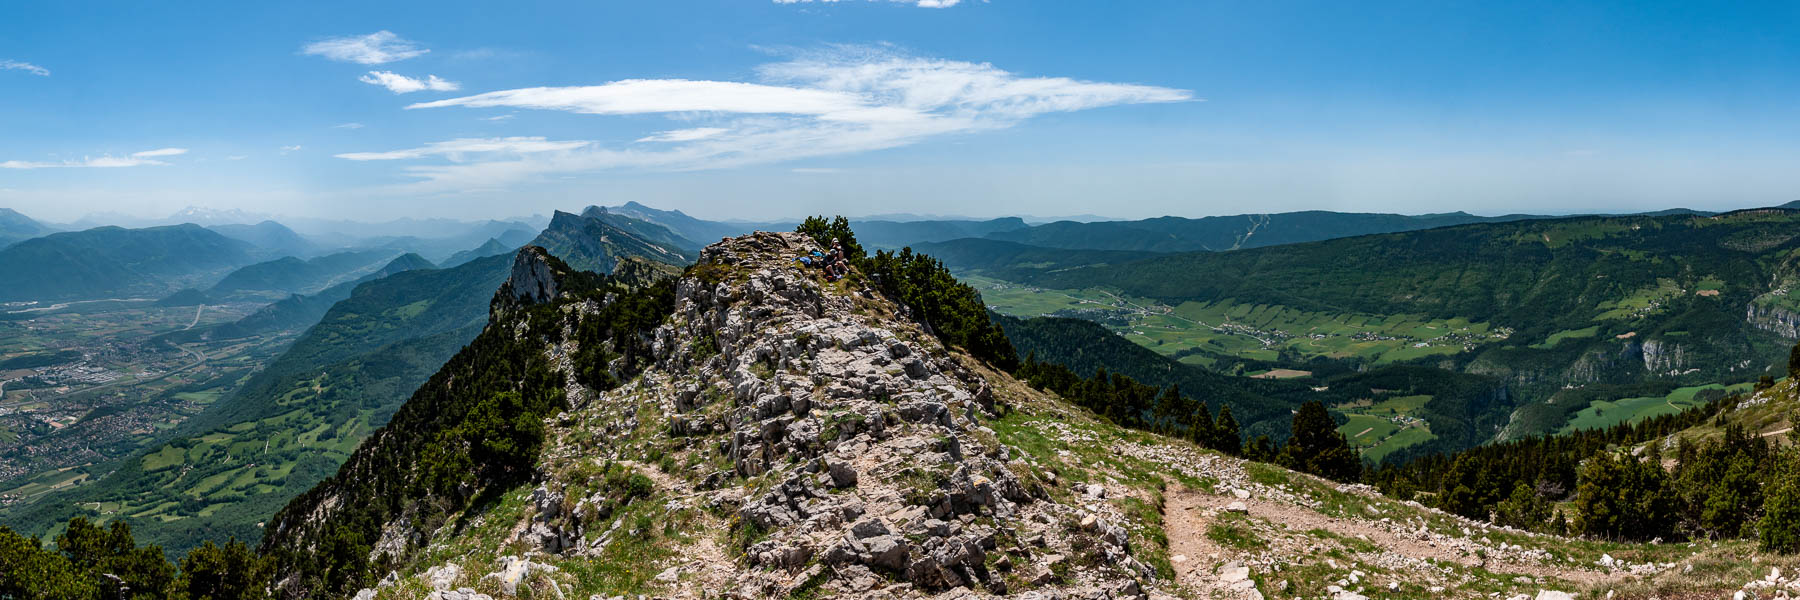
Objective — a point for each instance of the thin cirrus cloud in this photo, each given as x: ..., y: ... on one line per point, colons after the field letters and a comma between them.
x: 376, y: 48
x: 15, y: 65
x: 459, y: 147
x: 918, y: 3
x: 842, y: 101
x: 684, y: 135
x: 401, y: 84
x: 135, y: 159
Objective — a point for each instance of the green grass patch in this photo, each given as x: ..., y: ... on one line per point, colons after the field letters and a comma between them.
x: 1233, y: 530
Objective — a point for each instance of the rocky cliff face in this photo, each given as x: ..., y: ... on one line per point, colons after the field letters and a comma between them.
x: 1664, y: 358
x: 1780, y: 321
x: 533, y: 279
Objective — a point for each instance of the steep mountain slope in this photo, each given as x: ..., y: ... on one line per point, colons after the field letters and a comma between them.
x: 597, y: 245
x: 291, y: 423
x: 1179, y: 234
x: 641, y: 228
x: 777, y: 436
x: 290, y: 275
x: 111, y: 262
x: 698, y: 230
x: 270, y: 236
x: 15, y: 227
x: 298, y: 311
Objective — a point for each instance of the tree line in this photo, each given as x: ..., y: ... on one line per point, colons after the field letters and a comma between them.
x: 1638, y: 482
x: 90, y: 562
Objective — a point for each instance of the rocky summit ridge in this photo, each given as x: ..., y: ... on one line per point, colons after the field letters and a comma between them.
x: 788, y: 437
x: 792, y: 435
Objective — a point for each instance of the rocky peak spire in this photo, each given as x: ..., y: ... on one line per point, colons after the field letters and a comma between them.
x: 535, y: 275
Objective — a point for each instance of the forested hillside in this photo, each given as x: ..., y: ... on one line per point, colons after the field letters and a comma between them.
x: 1558, y: 311
x: 290, y: 275
x: 290, y: 424
x: 113, y: 262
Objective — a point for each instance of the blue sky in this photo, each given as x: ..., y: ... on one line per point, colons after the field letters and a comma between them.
x: 754, y: 108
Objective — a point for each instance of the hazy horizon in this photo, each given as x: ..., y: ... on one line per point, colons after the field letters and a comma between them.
x: 236, y: 216
x: 770, y: 109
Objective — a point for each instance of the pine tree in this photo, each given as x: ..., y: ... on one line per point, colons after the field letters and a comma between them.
x: 111, y: 557
x: 1225, y: 433
x: 1168, y: 411
x: 1317, y: 446
x: 1200, y: 426
x: 1779, y: 529
x: 27, y: 570
x: 1623, y: 498
x: 1524, y: 509
x: 1261, y: 449
x: 231, y: 572
x: 1463, y: 487
x: 1794, y: 362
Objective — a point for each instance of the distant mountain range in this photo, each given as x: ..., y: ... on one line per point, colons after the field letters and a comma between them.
x: 880, y: 233
x: 15, y: 227
x: 597, y: 243
x: 289, y: 275
x: 1177, y: 234
x: 113, y: 262
x: 271, y: 236
x: 505, y: 244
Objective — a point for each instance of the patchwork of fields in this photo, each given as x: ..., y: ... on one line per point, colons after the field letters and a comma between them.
x: 1376, y: 428
x: 99, y: 384
x: 1602, y: 414
x: 1194, y: 331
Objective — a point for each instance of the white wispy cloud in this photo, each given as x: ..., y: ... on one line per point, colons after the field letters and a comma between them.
x: 135, y: 159
x: 919, y: 3
x: 684, y: 135
x: 639, y: 96
x: 160, y: 152
x: 15, y: 65
x: 842, y: 101
x: 351, y: 125
x: 505, y: 117
x: 373, y: 49
x: 293, y: 148
x: 401, y: 84
x: 458, y: 147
